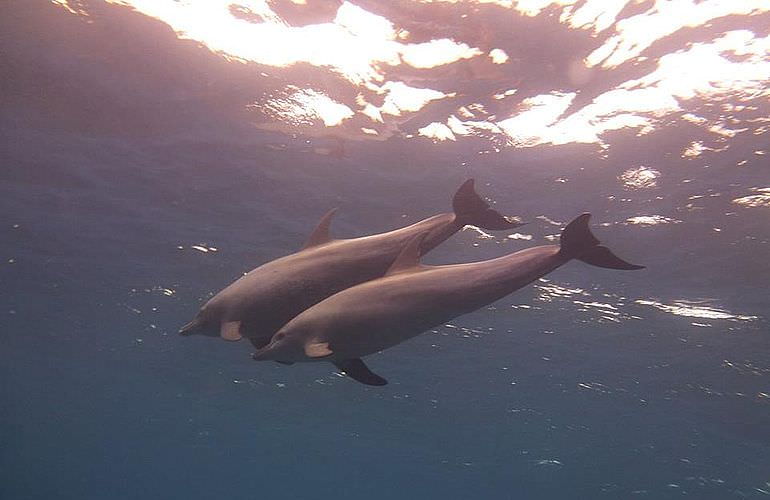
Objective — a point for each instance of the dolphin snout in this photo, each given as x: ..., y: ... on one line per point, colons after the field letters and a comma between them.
x: 191, y: 327
x: 270, y: 352
x: 260, y: 355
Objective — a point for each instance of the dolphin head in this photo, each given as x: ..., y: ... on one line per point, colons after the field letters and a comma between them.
x: 283, y: 347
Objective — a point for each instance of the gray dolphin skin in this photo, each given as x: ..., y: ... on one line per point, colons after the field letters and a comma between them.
x: 259, y: 303
x: 412, y: 298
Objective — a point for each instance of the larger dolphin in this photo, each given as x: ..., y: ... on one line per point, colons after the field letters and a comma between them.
x: 259, y: 303
x: 412, y: 298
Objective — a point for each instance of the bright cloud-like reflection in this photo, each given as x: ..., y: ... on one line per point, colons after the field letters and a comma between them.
x: 353, y: 44
x: 437, y: 131
x: 436, y: 53
x: 401, y: 97
x: 368, y: 50
x: 651, y: 220
x: 533, y: 125
x: 704, y: 70
x: 637, y: 33
x: 305, y: 106
x: 760, y: 199
x: 69, y: 8
x: 695, y: 310
x: 596, y: 15
x: 640, y: 178
x: 498, y: 56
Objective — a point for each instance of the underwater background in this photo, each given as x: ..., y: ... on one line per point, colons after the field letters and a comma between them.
x: 146, y: 162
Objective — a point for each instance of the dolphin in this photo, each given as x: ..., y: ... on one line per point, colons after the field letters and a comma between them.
x: 260, y: 302
x: 412, y: 298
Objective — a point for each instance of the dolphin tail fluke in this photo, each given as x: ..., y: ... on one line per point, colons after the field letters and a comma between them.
x: 577, y: 242
x: 470, y: 208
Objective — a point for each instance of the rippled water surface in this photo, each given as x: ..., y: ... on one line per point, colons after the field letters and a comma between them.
x: 153, y: 151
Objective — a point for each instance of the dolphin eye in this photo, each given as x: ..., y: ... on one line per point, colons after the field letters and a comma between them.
x: 279, y: 336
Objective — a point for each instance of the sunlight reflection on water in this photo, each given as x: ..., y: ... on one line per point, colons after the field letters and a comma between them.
x: 761, y: 199
x: 695, y: 309
x: 651, y: 220
x: 371, y: 51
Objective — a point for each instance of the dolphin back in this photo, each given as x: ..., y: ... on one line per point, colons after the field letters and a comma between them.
x: 577, y: 242
x: 470, y: 208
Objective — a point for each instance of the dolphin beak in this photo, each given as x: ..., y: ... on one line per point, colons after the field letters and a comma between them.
x: 190, y: 327
x: 263, y: 354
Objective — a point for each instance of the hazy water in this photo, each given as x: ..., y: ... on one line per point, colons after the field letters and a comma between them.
x: 591, y: 384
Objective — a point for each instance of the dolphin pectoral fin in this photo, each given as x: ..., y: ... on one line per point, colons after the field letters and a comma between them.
x: 409, y: 258
x: 230, y: 330
x: 320, y: 234
x: 358, y: 371
x: 317, y: 350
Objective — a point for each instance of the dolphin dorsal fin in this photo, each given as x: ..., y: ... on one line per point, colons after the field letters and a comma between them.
x: 320, y: 234
x: 409, y: 258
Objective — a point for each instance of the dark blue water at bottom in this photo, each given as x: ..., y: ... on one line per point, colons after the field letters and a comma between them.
x: 575, y: 387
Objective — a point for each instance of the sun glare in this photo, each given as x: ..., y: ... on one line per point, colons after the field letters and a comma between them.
x: 365, y: 49
x: 353, y: 44
x: 437, y: 131
x: 637, y: 33
x: 306, y: 106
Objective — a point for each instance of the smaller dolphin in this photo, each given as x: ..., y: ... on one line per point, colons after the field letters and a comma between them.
x: 259, y: 303
x: 412, y: 298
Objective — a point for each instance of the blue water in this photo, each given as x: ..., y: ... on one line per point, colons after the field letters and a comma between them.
x: 586, y: 385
